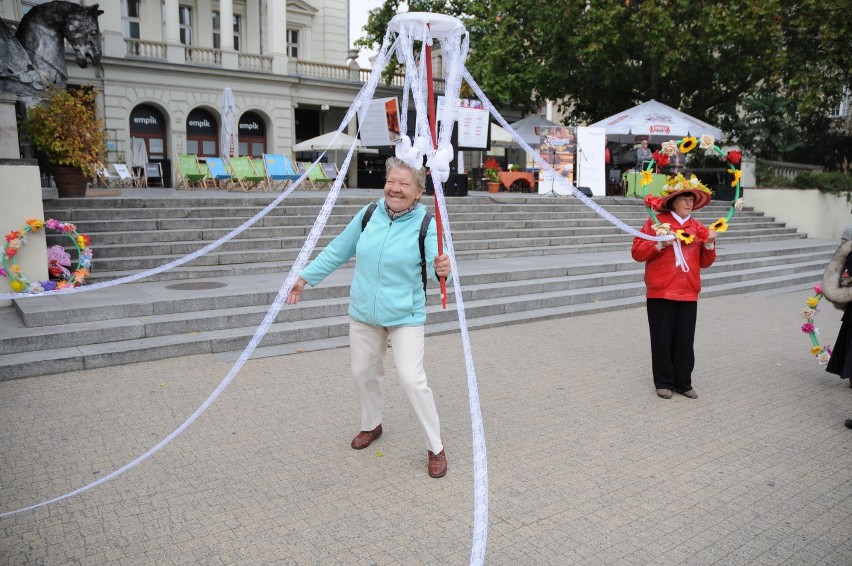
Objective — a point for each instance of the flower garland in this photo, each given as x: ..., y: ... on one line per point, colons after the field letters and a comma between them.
x: 684, y: 146
x: 17, y: 238
x: 822, y: 353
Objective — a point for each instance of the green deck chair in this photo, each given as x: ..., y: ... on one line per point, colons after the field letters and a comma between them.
x: 189, y: 172
x: 244, y: 173
x: 318, y: 177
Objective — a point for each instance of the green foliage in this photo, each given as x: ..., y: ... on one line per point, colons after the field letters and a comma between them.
x: 66, y: 129
x: 833, y: 182
x: 709, y: 59
x: 492, y: 174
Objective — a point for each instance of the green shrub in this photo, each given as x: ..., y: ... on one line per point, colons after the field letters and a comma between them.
x: 834, y: 182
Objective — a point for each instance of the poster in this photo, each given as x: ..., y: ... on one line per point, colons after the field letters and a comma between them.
x: 472, y: 120
x: 379, y: 122
x: 591, y: 171
x: 557, y: 147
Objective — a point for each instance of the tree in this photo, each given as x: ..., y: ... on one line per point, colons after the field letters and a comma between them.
x: 709, y: 59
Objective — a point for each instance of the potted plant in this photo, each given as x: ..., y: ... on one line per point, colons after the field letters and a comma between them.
x: 65, y: 128
x: 492, y: 177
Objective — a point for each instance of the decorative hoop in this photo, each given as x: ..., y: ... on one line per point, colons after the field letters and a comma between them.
x: 822, y: 353
x: 684, y: 146
x: 16, y: 239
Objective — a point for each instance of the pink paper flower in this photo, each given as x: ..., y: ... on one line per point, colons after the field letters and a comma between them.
x: 807, y: 328
x: 818, y: 288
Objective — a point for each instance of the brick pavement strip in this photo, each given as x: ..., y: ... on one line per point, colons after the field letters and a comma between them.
x: 586, y: 464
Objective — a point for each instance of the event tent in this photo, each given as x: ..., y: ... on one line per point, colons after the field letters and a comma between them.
x: 500, y: 137
x: 655, y: 120
x: 526, y: 128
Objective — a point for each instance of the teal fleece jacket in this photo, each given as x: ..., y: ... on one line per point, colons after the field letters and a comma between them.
x: 387, y: 289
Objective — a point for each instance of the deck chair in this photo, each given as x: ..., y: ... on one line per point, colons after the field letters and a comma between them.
x: 125, y: 175
x: 244, y: 173
x: 317, y: 177
x: 331, y: 171
x: 153, y: 175
x: 279, y: 171
x: 219, y: 176
x: 106, y: 179
x: 189, y: 172
x: 260, y: 168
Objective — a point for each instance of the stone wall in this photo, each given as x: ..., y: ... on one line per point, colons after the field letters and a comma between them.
x: 817, y: 214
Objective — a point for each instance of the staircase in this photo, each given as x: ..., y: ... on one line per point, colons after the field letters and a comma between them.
x: 521, y: 258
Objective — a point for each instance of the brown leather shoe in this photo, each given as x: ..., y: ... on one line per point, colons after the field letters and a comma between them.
x: 437, y: 464
x: 366, y: 437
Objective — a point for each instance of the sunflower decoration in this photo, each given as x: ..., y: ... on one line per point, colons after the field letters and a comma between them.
x: 688, y: 144
x: 737, y: 174
x: 720, y: 225
x: 685, y: 237
x: 647, y: 178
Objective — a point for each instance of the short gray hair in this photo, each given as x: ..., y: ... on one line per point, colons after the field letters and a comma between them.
x: 419, y: 174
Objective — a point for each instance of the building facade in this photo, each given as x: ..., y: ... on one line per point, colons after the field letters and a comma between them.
x: 166, y: 63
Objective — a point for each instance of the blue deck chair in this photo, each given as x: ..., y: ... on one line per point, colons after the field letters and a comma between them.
x: 220, y: 176
x: 279, y: 171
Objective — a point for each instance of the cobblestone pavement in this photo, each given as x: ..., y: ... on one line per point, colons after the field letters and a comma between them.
x: 586, y: 464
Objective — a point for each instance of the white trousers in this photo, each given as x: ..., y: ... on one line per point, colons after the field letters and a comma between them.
x: 368, y: 345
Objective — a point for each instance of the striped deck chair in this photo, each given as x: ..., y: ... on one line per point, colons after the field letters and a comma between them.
x: 279, y: 171
x: 318, y: 177
x: 260, y: 168
x: 244, y: 173
x: 125, y: 173
x: 189, y: 172
x: 219, y: 176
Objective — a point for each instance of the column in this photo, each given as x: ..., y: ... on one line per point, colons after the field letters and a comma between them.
x: 230, y: 59
x: 175, y: 52
x: 276, y: 35
x: 111, y: 30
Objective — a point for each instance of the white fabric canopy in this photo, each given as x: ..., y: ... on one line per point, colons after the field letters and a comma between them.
x: 500, y: 137
x: 228, y: 138
x: 343, y: 142
x: 655, y: 120
x: 526, y: 128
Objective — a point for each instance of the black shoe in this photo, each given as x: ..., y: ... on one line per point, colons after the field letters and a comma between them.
x: 848, y: 423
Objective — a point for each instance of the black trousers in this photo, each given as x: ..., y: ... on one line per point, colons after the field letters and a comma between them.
x: 672, y: 325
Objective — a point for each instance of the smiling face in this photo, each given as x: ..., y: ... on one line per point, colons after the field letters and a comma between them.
x: 682, y: 205
x: 401, y: 189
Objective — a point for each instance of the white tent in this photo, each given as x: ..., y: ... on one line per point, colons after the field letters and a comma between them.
x: 655, y: 120
x: 342, y: 143
x: 526, y: 128
x: 500, y: 137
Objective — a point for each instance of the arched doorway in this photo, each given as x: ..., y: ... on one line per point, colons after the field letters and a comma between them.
x: 202, y: 134
x: 252, y: 135
x: 148, y: 124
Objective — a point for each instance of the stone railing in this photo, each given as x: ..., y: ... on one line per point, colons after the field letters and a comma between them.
x: 204, y: 56
x: 322, y: 70
x: 145, y: 49
x: 787, y: 170
x: 398, y: 80
x: 251, y: 62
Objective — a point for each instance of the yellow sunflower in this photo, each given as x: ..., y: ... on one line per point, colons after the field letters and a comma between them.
x: 647, y: 177
x: 737, y: 174
x: 688, y: 144
x: 720, y: 225
x: 685, y: 237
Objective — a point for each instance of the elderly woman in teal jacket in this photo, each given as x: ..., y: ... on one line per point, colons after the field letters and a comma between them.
x: 387, y: 300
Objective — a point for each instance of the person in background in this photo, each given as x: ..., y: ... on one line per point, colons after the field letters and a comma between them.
x: 837, y: 287
x: 677, y: 163
x: 387, y: 300
x: 672, y: 291
x: 644, y: 155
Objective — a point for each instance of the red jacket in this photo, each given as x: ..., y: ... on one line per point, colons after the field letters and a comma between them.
x: 665, y: 280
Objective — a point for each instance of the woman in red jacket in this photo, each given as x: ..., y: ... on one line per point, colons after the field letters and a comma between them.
x: 673, y: 284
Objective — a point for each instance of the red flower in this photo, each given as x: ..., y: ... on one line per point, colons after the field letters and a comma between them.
x: 652, y: 201
x: 661, y: 159
x: 702, y: 234
x: 734, y: 157
x: 492, y: 164
x: 11, y: 252
x: 13, y: 235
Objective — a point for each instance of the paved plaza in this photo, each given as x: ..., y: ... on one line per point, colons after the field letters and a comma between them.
x: 586, y: 464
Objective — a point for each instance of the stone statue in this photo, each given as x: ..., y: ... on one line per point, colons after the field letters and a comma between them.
x: 33, y: 58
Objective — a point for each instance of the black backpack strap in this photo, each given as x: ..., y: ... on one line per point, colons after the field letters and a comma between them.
x: 424, y: 229
x: 368, y: 214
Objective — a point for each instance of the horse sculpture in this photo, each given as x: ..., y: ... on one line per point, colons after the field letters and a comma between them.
x: 33, y: 58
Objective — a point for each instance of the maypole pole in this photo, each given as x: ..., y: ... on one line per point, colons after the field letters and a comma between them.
x: 430, y: 101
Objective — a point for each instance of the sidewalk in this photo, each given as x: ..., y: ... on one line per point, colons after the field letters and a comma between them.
x: 586, y: 464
